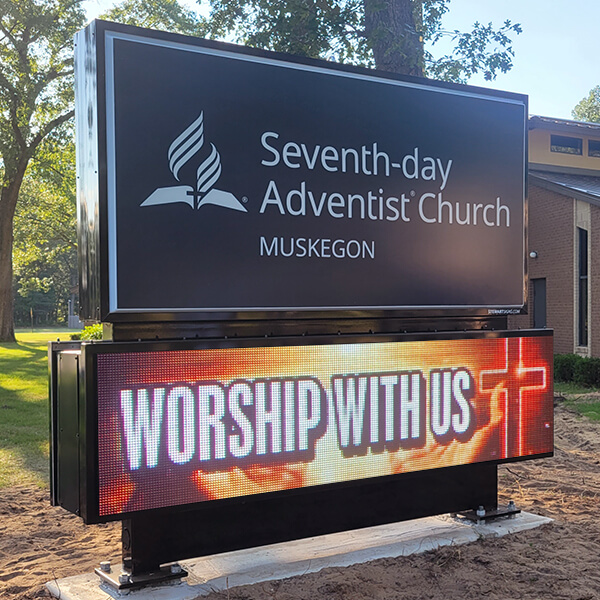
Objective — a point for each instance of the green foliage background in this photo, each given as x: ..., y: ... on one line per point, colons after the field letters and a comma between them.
x: 338, y: 30
x: 588, y: 109
x: 45, y: 230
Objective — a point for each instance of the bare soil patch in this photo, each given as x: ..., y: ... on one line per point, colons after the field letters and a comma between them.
x: 559, y: 561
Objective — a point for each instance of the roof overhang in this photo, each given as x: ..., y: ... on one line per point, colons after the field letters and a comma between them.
x: 580, y: 187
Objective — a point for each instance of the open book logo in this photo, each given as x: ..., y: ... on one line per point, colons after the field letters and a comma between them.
x: 183, y: 148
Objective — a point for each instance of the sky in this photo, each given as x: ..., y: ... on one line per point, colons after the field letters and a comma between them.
x: 556, y: 57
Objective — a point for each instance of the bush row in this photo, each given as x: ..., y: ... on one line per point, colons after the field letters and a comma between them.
x: 91, y: 332
x: 577, y: 369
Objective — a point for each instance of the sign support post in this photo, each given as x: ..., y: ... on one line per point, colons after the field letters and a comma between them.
x: 149, y: 543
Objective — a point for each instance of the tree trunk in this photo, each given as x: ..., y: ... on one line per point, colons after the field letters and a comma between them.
x: 8, y: 204
x: 393, y: 36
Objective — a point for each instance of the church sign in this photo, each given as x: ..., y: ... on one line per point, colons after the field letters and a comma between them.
x: 306, y: 268
x: 235, y: 180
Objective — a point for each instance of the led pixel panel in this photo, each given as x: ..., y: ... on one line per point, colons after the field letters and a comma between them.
x: 184, y: 426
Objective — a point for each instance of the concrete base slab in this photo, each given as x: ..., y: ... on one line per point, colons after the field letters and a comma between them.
x: 288, y: 559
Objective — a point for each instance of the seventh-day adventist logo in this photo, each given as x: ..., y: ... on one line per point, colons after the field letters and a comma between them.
x: 181, y: 151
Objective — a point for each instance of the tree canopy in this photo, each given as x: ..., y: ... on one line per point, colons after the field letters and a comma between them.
x: 45, y: 233
x: 167, y: 15
x: 36, y: 97
x: 588, y: 108
x: 393, y: 35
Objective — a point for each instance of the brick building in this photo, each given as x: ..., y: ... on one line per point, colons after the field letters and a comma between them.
x: 564, y: 233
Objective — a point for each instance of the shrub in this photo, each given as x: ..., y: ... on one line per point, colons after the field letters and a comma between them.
x: 587, y: 372
x: 92, y: 332
x: 564, y: 366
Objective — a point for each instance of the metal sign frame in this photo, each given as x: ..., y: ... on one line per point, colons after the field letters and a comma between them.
x: 75, y: 416
x: 96, y: 193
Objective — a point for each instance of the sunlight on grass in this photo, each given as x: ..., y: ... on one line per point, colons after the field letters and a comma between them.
x: 14, y: 471
x: 21, y: 380
x: 41, y: 337
x: 24, y: 445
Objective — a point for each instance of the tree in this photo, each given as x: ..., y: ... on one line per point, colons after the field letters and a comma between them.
x: 168, y: 15
x: 36, y: 67
x: 389, y: 34
x: 45, y: 232
x: 588, y: 108
x: 45, y: 252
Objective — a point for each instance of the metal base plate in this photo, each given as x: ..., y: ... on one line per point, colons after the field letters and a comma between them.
x: 475, y: 516
x: 125, y: 581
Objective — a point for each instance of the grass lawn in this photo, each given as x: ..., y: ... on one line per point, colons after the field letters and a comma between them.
x: 24, y: 407
x: 586, y: 401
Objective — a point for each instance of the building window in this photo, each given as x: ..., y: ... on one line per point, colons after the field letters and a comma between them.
x: 566, y: 145
x: 594, y: 148
x: 582, y: 291
x: 539, y: 303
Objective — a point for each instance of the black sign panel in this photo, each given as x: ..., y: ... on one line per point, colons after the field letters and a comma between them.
x: 239, y: 180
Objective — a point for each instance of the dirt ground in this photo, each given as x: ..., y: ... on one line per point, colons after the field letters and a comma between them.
x: 557, y: 561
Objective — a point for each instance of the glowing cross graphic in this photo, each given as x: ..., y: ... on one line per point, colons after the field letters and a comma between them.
x: 515, y: 378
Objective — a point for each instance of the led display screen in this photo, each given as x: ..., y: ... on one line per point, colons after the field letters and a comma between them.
x: 185, y: 426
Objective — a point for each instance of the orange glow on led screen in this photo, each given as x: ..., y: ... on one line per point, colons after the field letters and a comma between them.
x: 179, y: 427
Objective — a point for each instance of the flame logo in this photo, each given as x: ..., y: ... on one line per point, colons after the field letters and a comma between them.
x: 209, y: 171
x: 183, y: 148
x: 186, y: 145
